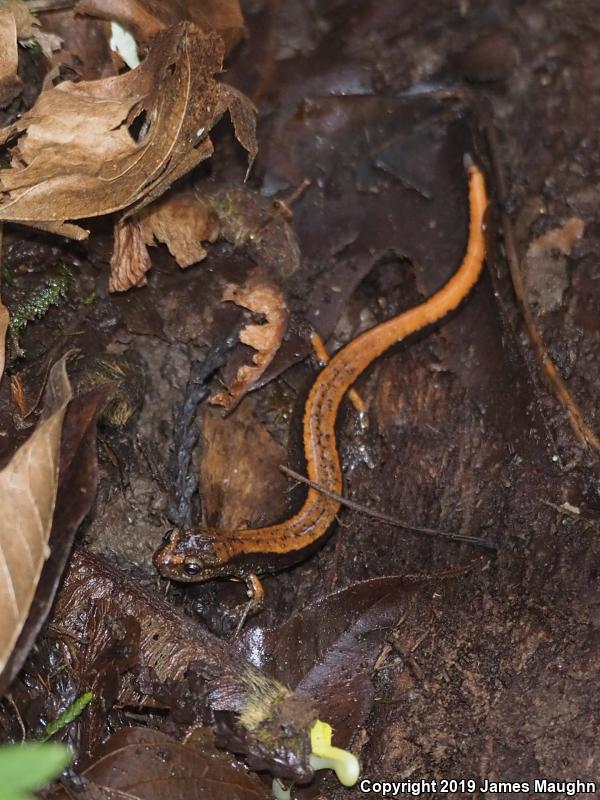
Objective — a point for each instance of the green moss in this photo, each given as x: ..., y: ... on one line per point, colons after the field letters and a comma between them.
x: 54, y: 293
x: 6, y: 276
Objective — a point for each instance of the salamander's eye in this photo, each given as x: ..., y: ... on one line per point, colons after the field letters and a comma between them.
x: 191, y: 566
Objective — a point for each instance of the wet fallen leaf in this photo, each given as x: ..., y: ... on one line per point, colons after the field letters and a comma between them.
x: 182, y: 223
x: 264, y: 298
x: 77, y: 480
x: 28, y: 486
x: 110, y: 649
x: 328, y: 650
x: 95, y: 147
x: 146, y: 18
x: 229, y: 692
x: 236, y: 496
x: 144, y: 764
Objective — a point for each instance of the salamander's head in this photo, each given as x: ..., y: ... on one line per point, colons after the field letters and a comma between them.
x: 191, y: 556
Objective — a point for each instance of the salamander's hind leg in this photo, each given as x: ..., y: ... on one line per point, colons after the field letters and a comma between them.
x: 321, y: 353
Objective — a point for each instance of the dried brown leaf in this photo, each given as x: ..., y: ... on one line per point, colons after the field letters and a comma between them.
x: 10, y: 83
x: 25, y: 22
x: 146, y: 18
x: 17, y: 24
x: 77, y: 481
x: 95, y: 147
x: 28, y: 486
x: 267, y: 299
x: 130, y: 260
x: 182, y: 223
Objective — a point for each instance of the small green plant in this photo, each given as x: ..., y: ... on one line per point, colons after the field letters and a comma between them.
x: 25, y: 768
x: 69, y: 715
x: 36, y: 306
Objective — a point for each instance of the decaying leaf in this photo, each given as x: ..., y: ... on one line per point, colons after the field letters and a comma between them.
x: 236, y: 498
x: 144, y: 764
x: 182, y: 223
x: 257, y: 223
x: 28, y: 486
x: 146, y: 18
x: 4, y: 320
x: 215, y: 682
x: 260, y: 297
x: 95, y: 147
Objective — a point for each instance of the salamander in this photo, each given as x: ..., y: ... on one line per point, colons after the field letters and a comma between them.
x: 202, y: 553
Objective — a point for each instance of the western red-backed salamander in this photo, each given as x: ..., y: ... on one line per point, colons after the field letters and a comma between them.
x: 199, y: 554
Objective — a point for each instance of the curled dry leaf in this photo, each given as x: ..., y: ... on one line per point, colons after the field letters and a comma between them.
x: 182, y: 223
x: 28, y: 486
x: 264, y: 298
x: 96, y: 147
x: 130, y: 260
x: 146, y: 18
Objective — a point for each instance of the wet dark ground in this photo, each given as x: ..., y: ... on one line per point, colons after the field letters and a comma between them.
x: 492, y: 674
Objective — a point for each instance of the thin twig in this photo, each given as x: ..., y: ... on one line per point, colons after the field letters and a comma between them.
x: 582, y: 431
x: 9, y: 699
x: 397, y: 523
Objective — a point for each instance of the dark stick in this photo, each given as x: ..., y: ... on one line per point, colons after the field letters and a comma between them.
x: 453, y: 537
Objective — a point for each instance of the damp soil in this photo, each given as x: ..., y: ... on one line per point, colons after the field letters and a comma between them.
x: 488, y: 675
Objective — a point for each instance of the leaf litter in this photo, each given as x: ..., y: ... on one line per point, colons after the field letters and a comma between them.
x: 329, y: 236
x: 28, y: 488
x: 95, y: 147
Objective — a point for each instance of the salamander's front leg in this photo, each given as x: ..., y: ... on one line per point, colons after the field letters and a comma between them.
x: 256, y: 593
